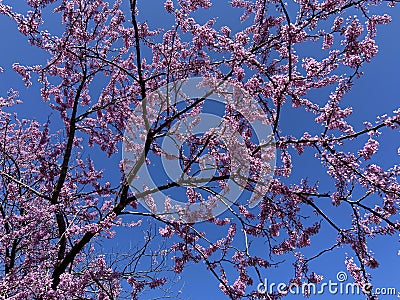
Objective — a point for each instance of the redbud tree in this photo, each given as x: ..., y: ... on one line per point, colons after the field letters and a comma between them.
x: 68, y: 194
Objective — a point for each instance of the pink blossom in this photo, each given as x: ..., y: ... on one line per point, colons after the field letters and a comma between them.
x: 169, y: 6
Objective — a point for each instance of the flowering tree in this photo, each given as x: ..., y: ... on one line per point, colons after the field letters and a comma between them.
x: 104, y: 70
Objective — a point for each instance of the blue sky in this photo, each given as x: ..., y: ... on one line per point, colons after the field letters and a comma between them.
x: 375, y: 93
